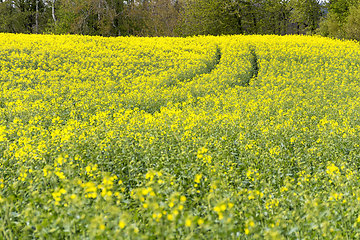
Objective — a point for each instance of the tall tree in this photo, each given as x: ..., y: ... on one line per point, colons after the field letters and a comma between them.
x: 236, y: 16
x: 88, y: 17
x: 352, y: 27
x: 210, y: 17
x: 276, y: 17
x: 342, y: 21
x: 23, y: 16
x: 154, y: 17
x: 247, y: 14
x: 341, y: 8
x: 307, y: 14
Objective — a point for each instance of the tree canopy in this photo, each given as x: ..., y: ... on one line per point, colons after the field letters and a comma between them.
x: 334, y: 18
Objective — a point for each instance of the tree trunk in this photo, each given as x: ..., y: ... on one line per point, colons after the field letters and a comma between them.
x: 53, y: 11
x: 37, y: 17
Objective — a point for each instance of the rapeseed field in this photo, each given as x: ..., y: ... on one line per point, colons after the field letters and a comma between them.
x: 229, y: 137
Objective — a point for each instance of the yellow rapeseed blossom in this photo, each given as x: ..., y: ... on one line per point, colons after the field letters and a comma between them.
x: 127, y: 137
x: 122, y: 224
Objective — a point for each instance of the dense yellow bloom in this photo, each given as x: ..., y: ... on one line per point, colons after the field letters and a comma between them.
x: 129, y: 137
x: 332, y: 170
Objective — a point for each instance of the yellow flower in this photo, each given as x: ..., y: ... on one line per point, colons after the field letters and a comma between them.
x: 223, y: 207
x: 198, y: 178
x: 122, y: 224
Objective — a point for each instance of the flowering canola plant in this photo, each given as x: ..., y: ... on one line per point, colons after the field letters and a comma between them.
x: 243, y: 137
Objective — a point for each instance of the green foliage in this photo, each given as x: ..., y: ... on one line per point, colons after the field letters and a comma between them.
x: 341, y: 9
x: 207, y: 18
x: 236, y: 17
x: 161, y: 17
x: 330, y: 27
x: 352, y: 27
x: 306, y: 13
x: 342, y: 20
x: 20, y: 16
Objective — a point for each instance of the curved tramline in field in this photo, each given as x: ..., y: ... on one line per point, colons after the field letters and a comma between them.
x: 239, y: 137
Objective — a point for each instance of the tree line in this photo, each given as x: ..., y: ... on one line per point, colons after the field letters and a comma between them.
x: 333, y: 18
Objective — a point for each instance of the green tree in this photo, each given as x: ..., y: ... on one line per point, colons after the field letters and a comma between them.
x: 306, y: 14
x: 342, y: 20
x: 236, y: 16
x: 275, y: 18
x: 7, y: 17
x: 154, y: 17
x: 209, y: 17
x: 340, y: 9
x: 94, y: 17
x: 247, y: 14
x: 352, y: 27
x: 23, y: 16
